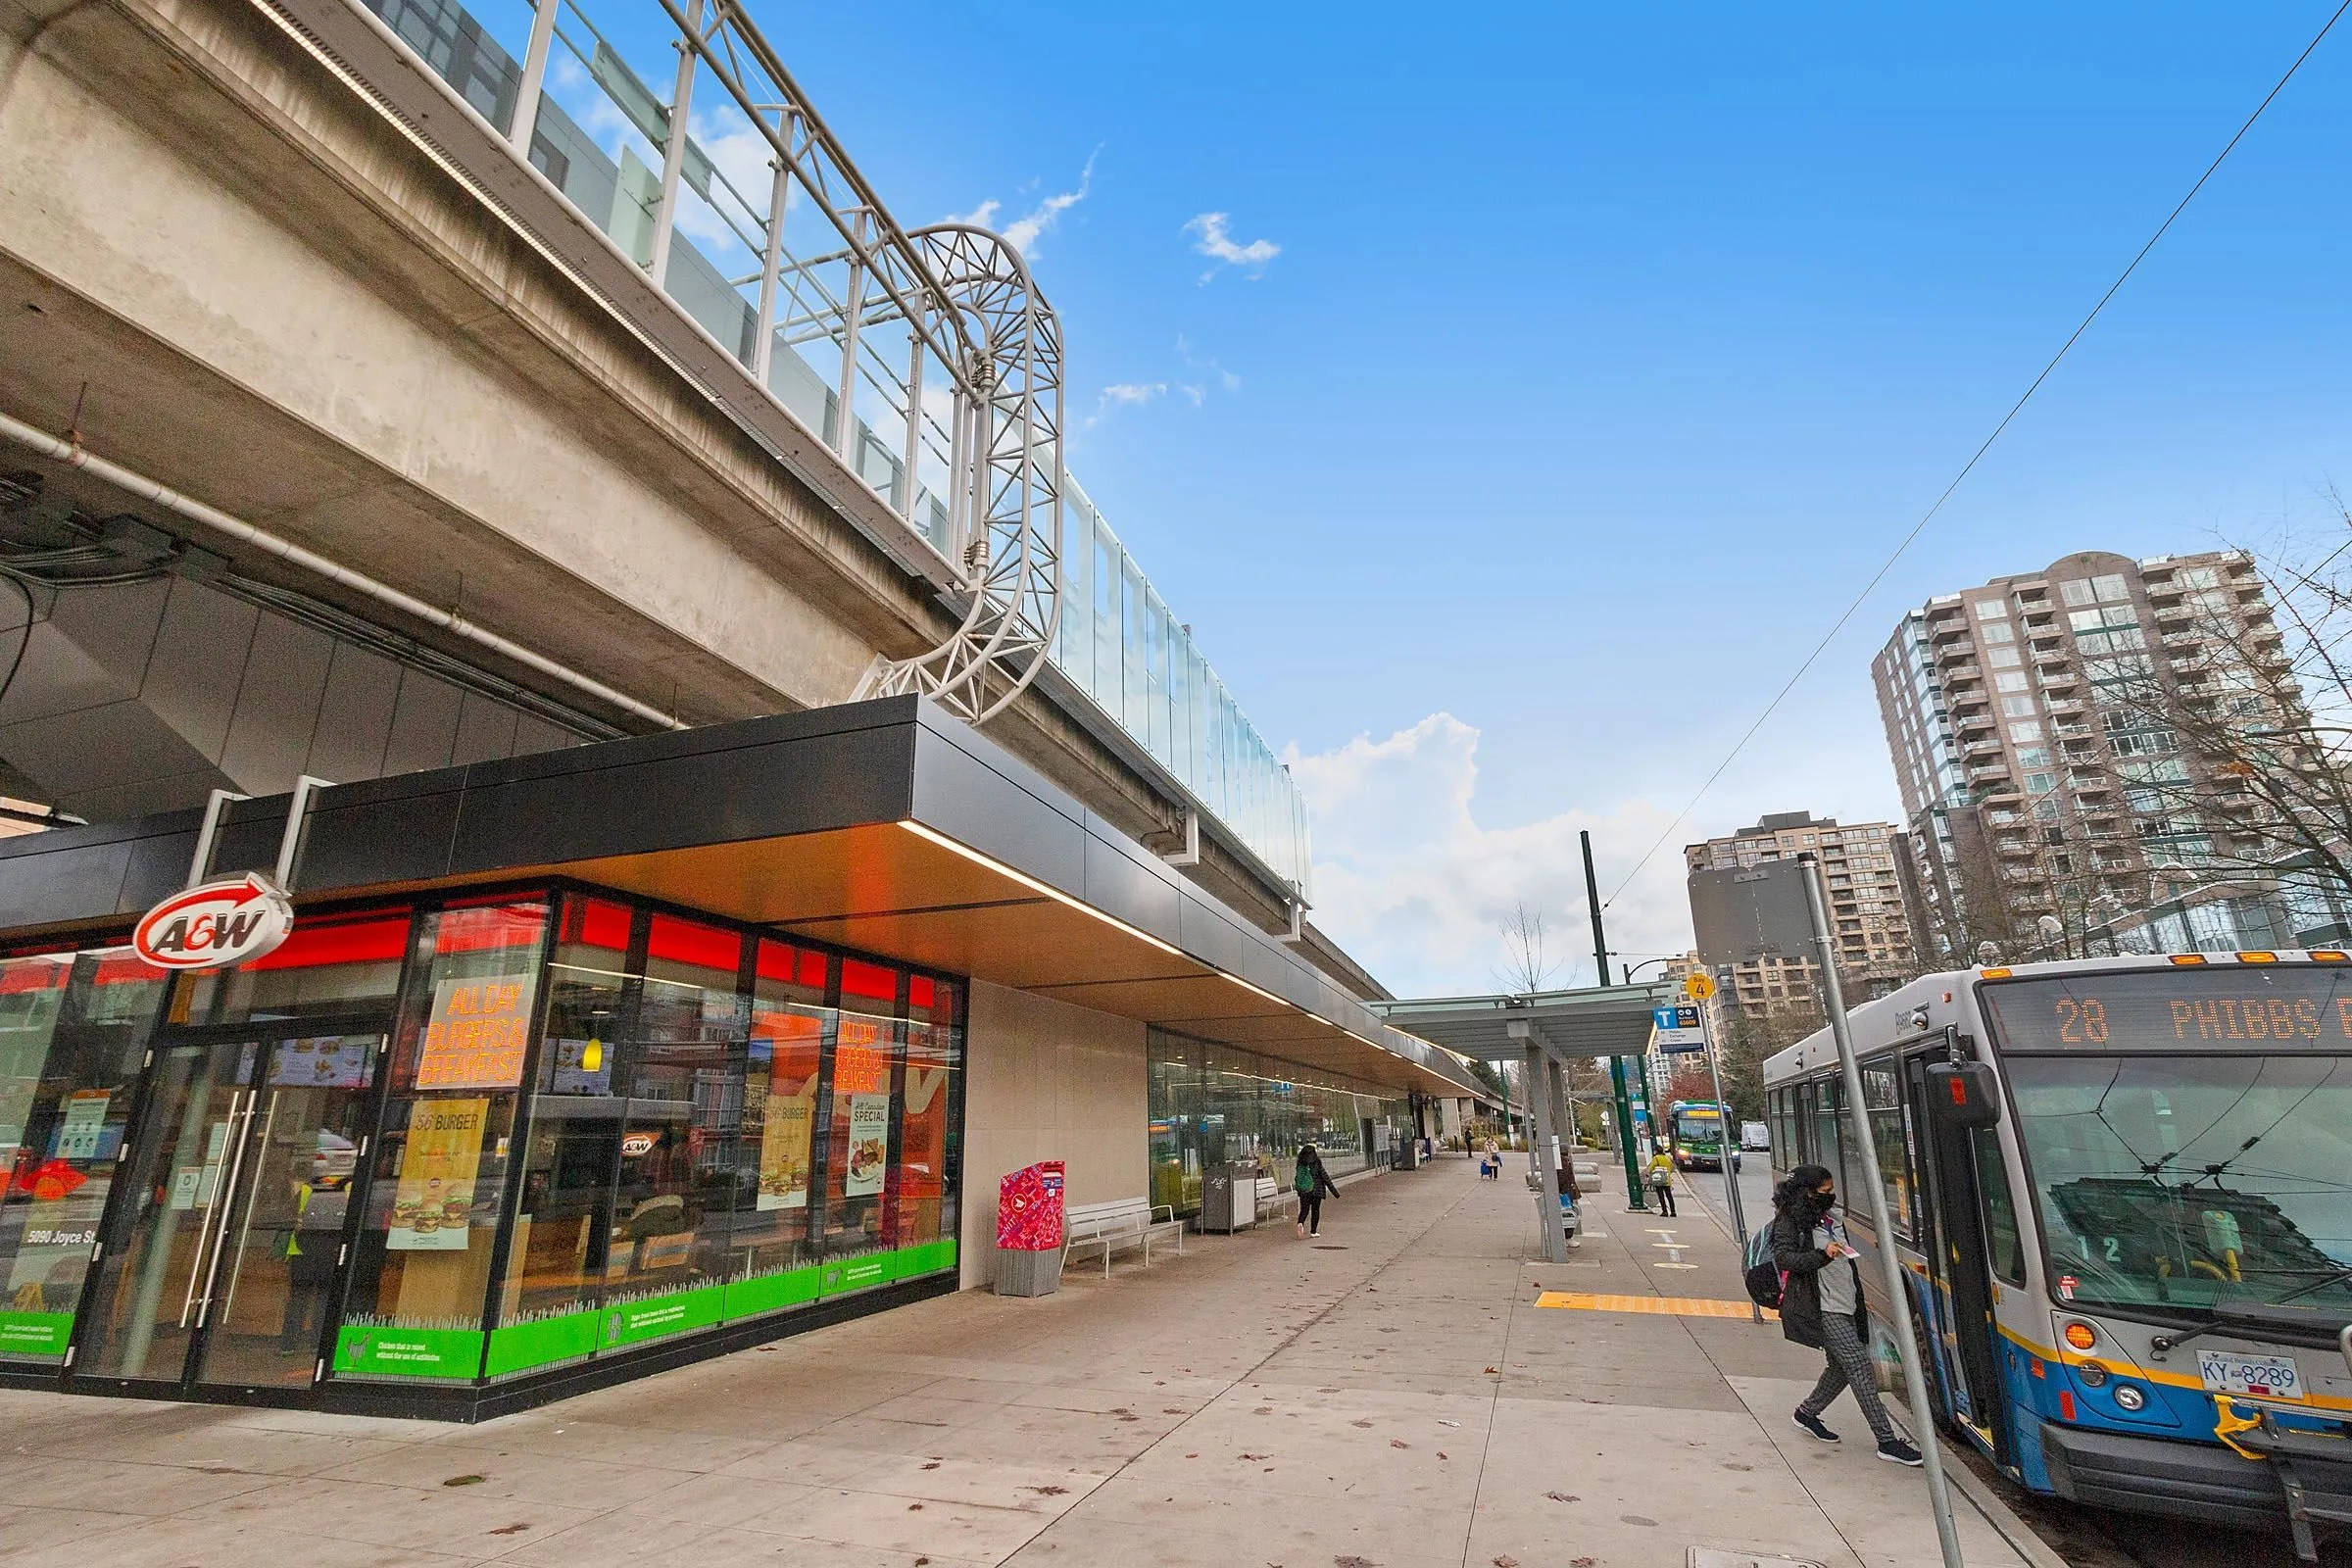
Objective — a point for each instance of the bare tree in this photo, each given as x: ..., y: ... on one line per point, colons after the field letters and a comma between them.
x: 1524, y: 968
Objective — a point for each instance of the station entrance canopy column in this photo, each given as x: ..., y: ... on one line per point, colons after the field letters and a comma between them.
x: 1542, y: 1031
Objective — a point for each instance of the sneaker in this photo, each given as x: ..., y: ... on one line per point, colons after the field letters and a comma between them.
x: 1894, y: 1450
x: 1814, y: 1429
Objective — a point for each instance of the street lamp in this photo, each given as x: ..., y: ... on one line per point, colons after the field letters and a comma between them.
x: 1631, y: 969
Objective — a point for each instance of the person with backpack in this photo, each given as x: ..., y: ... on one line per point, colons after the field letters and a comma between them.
x: 1821, y: 1304
x: 1661, y: 1181
x: 1312, y: 1182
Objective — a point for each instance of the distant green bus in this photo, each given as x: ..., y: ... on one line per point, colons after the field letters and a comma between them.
x: 1696, y: 1131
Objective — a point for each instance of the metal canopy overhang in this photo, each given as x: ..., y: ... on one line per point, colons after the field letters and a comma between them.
x: 1606, y: 1021
x: 886, y: 826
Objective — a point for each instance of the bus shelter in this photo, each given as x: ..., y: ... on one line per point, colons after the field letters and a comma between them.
x: 1543, y: 1031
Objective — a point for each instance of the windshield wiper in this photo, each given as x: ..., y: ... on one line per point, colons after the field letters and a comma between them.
x: 2248, y: 1314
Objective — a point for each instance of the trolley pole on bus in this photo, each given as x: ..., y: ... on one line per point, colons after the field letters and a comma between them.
x: 1898, y: 1294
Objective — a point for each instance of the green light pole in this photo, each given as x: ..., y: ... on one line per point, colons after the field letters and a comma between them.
x: 1635, y: 1197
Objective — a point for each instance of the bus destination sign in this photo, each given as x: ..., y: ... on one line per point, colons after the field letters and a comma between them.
x: 2222, y: 1008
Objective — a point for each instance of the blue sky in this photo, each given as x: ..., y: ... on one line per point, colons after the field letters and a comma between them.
x: 1604, y: 354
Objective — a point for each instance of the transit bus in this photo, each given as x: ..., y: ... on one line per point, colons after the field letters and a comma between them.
x: 1696, y: 1130
x: 2121, y: 1190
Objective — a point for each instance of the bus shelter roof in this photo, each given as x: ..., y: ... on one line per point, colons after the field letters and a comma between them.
x: 1597, y: 1021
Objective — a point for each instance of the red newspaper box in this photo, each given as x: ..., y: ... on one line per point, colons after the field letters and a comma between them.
x: 1029, y: 1208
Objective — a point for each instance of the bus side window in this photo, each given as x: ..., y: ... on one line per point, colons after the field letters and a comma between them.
x: 2000, y: 1210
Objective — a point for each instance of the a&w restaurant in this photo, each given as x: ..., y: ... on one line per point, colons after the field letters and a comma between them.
x: 457, y: 1091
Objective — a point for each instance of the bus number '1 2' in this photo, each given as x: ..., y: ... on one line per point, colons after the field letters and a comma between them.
x: 2082, y: 1023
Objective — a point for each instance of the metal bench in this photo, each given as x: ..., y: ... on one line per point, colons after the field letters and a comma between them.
x: 1112, y: 1227
x: 1273, y: 1196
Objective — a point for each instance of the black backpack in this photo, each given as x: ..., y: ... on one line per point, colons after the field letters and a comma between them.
x: 1763, y: 1278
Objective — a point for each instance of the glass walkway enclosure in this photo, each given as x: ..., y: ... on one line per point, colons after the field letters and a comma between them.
x: 704, y: 165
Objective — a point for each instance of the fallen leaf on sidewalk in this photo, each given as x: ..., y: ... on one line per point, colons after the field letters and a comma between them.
x: 1506, y: 1562
x: 511, y: 1530
x: 1366, y: 1425
x: 1494, y: 1369
x: 1256, y: 1456
x: 1563, y: 1496
x: 1399, y: 1442
x: 1445, y: 1423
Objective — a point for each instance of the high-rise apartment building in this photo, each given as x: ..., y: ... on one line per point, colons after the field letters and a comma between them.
x: 2035, y: 727
x: 1767, y: 962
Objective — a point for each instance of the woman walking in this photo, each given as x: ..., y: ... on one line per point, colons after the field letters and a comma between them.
x: 1821, y: 1305
x: 1310, y: 1181
x: 1661, y: 1181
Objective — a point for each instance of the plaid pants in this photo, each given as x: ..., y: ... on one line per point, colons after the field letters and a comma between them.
x: 1848, y: 1367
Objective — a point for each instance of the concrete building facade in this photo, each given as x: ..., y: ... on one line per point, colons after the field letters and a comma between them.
x: 2046, y: 794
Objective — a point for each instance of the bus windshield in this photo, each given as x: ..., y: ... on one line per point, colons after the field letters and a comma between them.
x: 2198, y: 1151
x: 1698, y: 1129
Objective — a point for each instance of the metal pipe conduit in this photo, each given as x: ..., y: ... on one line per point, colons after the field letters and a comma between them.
x: 286, y: 549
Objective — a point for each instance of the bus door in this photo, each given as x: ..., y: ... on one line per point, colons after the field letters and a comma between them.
x: 1953, y: 1238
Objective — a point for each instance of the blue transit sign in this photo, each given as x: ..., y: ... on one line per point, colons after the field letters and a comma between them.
x: 1675, y: 1027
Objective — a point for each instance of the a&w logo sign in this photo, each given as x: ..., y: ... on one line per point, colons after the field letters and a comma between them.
x: 214, y: 924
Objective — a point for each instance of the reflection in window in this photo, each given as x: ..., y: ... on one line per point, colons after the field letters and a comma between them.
x: 790, y: 1028
x: 685, y: 1109
x: 325, y: 967
x: 421, y: 1264
x: 556, y: 1257
x: 861, y: 1119
x: 74, y: 1030
x: 924, y: 1175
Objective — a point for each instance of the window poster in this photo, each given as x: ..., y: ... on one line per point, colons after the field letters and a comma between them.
x: 433, y: 1204
x: 785, y: 1106
x: 784, y: 1148
x: 84, y: 1126
x: 475, y: 1035
x: 870, y: 1144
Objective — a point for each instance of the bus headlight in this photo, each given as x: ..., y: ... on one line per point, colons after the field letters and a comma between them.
x: 2091, y: 1373
x: 2130, y: 1398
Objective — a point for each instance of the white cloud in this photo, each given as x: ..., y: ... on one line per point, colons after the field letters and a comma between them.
x: 1412, y: 884
x: 1213, y: 239
x: 1024, y: 231
x: 1123, y: 395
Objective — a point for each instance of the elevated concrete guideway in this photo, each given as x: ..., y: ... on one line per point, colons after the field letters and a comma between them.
x: 255, y: 253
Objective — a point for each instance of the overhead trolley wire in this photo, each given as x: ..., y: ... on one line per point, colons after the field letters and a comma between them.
x: 1976, y: 457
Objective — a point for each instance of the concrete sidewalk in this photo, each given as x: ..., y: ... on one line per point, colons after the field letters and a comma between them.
x: 1389, y: 1397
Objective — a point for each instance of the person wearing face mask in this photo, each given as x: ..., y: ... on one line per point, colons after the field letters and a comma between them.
x: 1821, y: 1305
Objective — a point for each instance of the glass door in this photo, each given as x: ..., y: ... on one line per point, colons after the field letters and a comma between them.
x: 240, y: 1178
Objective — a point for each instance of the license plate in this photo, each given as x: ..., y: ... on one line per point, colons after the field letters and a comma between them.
x: 2264, y: 1377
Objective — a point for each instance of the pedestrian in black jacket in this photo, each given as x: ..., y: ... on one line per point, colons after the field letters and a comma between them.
x: 1822, y: 1306
x: 1310, y: 1181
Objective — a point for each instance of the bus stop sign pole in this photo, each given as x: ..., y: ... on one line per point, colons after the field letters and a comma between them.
x: 1898, y: 1294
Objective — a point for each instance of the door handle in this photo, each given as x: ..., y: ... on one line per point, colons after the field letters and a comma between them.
x: 229, y: 1132
x: 245, y: 1231
x: 224, y: 1199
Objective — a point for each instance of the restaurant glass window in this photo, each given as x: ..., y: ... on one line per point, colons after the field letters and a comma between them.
x: 667, y: 1259
x: 74, y: 1030
x: 774, y: 1261
x: 924, y: 1172
x: 860, y: 1123
x: 330, y: 968
x: 559, y: 1252
x: 420, y: 1261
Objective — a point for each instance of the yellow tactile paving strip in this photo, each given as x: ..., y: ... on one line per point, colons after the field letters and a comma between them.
x: 1667, y: 1306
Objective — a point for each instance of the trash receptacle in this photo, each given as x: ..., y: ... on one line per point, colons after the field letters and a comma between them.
x: 1029, y: 1230
x: 1229, y: 1198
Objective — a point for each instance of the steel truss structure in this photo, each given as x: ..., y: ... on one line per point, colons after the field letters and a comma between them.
x: 942, y: 334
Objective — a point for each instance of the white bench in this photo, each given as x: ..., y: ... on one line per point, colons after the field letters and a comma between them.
x: 1112, y: 1227
x: 1273, y: 1196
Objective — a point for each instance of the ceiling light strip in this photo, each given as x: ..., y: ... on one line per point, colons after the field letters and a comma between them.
x: 932, y: 835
